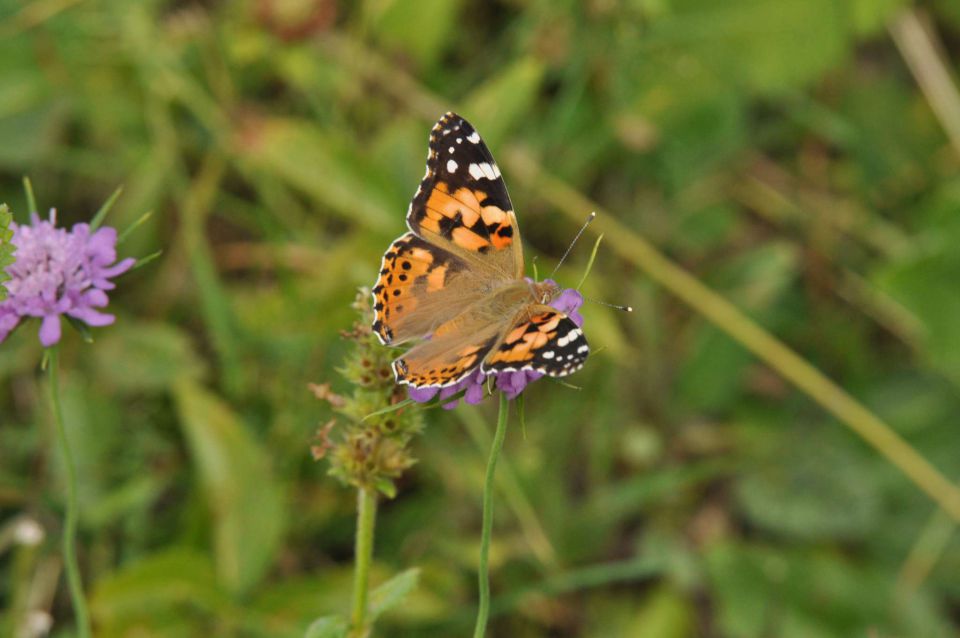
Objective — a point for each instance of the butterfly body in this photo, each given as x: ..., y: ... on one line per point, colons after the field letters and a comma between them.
x: 456, y: 280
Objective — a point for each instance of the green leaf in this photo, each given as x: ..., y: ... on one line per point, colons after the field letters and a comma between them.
x: 740, y: 581
x: 140, y: 221
x: 28, y: 193
x: 504, y: 100
x: 104, y: 209
x: 298, y: 152
x: 386, y: 487
x: 6, y: 248
x: 665, y: 613
x: 871, y: 16
x: 138, y: 357
x: 243, y: 496
x: 417, y: 29
x: 157, y: 584
x: 392, y: 592
x: 808, y: 485
x: 143, y: 261
x: 81, y: 327
x: 767, y: 45
x: 801, y: 593
x: 711, y: 378
x: 31, y: 123
x: 328, y: 627
x: 925, y: 280
x: 949, y: 11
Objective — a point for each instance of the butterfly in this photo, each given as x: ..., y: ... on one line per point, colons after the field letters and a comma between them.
x: 456, y: 279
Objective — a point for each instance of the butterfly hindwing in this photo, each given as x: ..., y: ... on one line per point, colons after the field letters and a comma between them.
x: 463, y: 200
x: 413, y: 293
x: 448, y: 356
x: 544, y: 340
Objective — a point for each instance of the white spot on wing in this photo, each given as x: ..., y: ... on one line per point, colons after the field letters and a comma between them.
x: 451, y: 166
x: 484, y: 171
x: 473, y: 137
x: 567, y: 338
x: 548, y: 354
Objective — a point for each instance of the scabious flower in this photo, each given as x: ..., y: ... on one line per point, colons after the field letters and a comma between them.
x: 60, y: 272
x: 510, y: 383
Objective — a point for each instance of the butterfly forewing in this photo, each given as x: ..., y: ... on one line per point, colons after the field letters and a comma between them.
x: 462, y: 202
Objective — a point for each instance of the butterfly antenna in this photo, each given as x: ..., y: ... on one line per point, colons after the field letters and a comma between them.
x: 592, y: 216
x: 610, y: 305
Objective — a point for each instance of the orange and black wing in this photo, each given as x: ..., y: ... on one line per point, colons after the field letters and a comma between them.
x: 420, y: 286
x: 462, y: 203
x: 544, y: 340
x: 453, y: 351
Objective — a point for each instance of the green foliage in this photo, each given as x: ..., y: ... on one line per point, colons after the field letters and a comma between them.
x: 781, y: 151
x: 370, y: 450
x: 393, y: 592
x: 242, y: 495
x: 328, y: 627
x: 418, y: 29
x: 6, y: 248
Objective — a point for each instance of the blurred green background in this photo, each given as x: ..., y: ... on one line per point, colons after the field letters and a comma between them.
x: 781, y: 151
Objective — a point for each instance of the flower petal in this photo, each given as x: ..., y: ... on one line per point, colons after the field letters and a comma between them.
x: 568, y: 301
x: 118, y: 268
x: 96, y: 298
x: 91, y: 317
x: 474, y: 394
x: 50, y: 331
x: 422, y: 395
x: 8, y: 321
x: 447, y: 392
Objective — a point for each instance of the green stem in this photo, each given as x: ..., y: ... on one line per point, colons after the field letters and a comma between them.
x: 484, y: 576
x: 366, y: 521
x: 70, y: 525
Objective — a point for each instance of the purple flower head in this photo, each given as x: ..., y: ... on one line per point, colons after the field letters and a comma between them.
x: 510, y: 383
x: 60, y: 272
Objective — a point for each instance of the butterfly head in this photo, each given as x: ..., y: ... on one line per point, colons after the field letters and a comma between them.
x: 545, y: 291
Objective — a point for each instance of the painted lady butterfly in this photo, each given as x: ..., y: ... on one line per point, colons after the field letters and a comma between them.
x: 457, y: 278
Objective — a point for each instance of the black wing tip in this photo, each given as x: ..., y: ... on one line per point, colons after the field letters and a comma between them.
x: 452, y: 120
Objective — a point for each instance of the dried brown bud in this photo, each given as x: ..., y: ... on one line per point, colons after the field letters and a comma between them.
x: 322, y: 391
x: 322, y: 441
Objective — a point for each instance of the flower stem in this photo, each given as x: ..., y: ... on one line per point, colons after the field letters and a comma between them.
x: 363, y: 554
x: 70, y: 525
x: 484, y: 570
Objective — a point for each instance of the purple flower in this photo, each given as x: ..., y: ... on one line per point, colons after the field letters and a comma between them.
x: 510, y: 383
x: 60, y: 272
